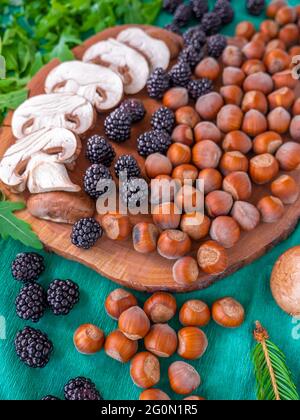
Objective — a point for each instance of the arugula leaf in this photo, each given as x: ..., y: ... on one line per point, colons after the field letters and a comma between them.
x: 11, y: 226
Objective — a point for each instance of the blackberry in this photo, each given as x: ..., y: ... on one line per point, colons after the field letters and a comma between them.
x: 171, y: 5
x: 173, y: 27
x: 135, y: 108
x: 85, y: 233
x: 27, y: 267
x: 33, y: 347
x: 216, y: 44
x: 81, y: 389
x: 255, y: 7
x: 200, y: 7
x: 183, y: 14
x: 134, y: 193
x: 31, y: 302
x: 195, y: 37
x: 163, y: 119
x: 199, y: 88
x: 224, y: 9
x: 191, y: 56
x: 50, y: 398
x: 180, y: 74
x: 95, y: 180
x: 62, y: 296
x: 211, y: 23
x: 98, y: 150
x: 154, y: 142
x: 129, y: 164
x: 158, y: 83
x: 117, y: 126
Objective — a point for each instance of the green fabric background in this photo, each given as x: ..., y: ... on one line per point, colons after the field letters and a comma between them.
x: 226, y: 368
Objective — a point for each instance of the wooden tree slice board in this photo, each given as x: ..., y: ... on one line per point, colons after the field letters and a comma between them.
x: 118, y: 260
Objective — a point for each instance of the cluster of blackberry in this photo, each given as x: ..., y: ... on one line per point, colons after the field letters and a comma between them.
x: 78, y: 389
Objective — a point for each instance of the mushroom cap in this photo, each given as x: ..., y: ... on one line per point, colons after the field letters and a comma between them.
x: 156, y: 51
x: 285, y: 281
x: 129, y: 64
x: 56, y: 110
x: 99, y: 85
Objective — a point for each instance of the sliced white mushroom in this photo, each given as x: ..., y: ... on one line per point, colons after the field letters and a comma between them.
x: 156, y: 51
x: 56, y: 110
x: 129, y: 64
x: 62, y: 145
x: 99, y: 85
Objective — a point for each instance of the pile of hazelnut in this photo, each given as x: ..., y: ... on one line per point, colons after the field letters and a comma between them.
x: 160, y: 340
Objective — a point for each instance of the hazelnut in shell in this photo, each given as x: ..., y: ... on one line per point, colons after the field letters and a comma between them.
x: 194, y: 313
x: 277, y: 60
x: 232, y: 56
x: 158, y: 164
x: 196, y: 225
x: 286, y: 15
x: 259, y: 81
x: 253, y: 66
x: 183, y: 134
x: 254, y: 123
x: 239, y: 185
x: 208, y: 68
x: 167, y: 216
x: 234, y: 162
x: 118, y: 301
x: 145, y: 236
x: 296, y: 107
x: 160, y: 307
x: 246, y: 215
x: 286, y: 189
x: 145, y: 370
x: 225, y: 231
x: 211, y: 178
x: 119, y: 347
x: 284, y: 97
x: 233, y: 76
x: 207, y: 130
x: 274, y: 6
x: 209, y: 105
x: 295, y: 128
x: 134, y: 323
x: 255, y: 100
x: 270, y: 28
x: 176, y: 98
x: 184, y: 379
x: 218, y: 203
x: 178, y: 154
x: 228, y: 313
x: 279, y: 120
x: 174, y: 244
x: 230, y: 118
x: 271, y: 209
x: 189, y: 199
x: 206, y: 154
x: 289, y: 34
x: 161, y: 340
x: 237, y: 141
x: 288, y: 156
x: 268, y: 142
x: 263, y: 168
x: 116, y: 226
x: 245, y: 29
x: 186, y: 271
x: 275, y: 44
x: 254, y: 50
x: 192, y: 343
x: 187, y: 115
x: 88, y: 339
x: 153, y: 394
x: 182, y: 173
x: 212, y: 258
x: 232, y: 95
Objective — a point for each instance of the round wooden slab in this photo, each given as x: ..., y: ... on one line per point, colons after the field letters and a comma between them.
x: 119, y: 261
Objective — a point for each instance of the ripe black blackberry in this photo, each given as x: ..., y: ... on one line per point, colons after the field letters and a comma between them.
x: 62, y: 296
x: 31, y: 302
x: 216, y: 44
x: 92, y: 180
x: 33, y: 347
x: 211, y: 23
x: 195, y: 36
x: 183, y: 14
x: 191, y: 56
x: 255, y: 7
x: 50, y: 398
x: 134, y: 193
x: 158, y: 83
x: 163, y: 119
x: 117, y: 126
x: 200, y: 7
x: 129, y: 164
x: 224, y: 9
x: 27, y: 267
x: 81, y: 389
x: 199, y: 88
x: 135, y: 108
x: 98, y: 150
x: 180, y: 74
x: 173, y: 27
x: 154, y: 142
x: 85, y: 233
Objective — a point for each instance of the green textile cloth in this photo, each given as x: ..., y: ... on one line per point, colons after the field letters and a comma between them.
x: 226, y: 368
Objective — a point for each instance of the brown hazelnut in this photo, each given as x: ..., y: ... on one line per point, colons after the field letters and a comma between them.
x: 158, y: 164
x: 194, y: 313
x: 263, y: 168
x: 253, y: 66
x: 116, y: 226
x: 284, y: 79
x: 232, y: 56
x: 209, y: 105
x: 254, y: 50
x: 88, y: 339
x: 237, y: 141
x: 225, y: 231
x: 295, y: 50
x: 179, y: 154
x: 295, y: 128
x: 237, y: 41
x: 192, y: 343
x: 163, y: 189
x: 212, y: 258
x: 154, y: 395
x: 279, y: 120
x: 288, y: 156
x: 184, y: 379
x: 232, y: 95
x: 145, y: 237
x: 218, y: 203
x: 208, y: 68
x: 228, y: 313
x: 145, y: 370
x: 183, y: 173
x: 284, y: 97
x: 189, y: 199
x: 119, y: 347
x: 166, y: 216
x: 271, y: 209
x: 246, y: 215
x: 239, y: 185
x: 275, y: 44
x: 232, y: 76
x: 296, y: 107
x: 134, y: 323
x: 207, y: 130
x: 286, y: 15
x: 261, y: 38
x: 245, y: 29
x: 277, y: 60
x: 188, y: 116
x: 254, y: 123
x: 259, y: 81
x: 174, y: 244
x: 206, y: 154
x: 186, y: 271
x: 289, y: 34
x: 196, y: 225
x: 268, y: 142
x: 119, y: 301
x: 183, y: 134
x: 234, y: 162
x: 230, y: 118
x: 270, y: 28
x: 176, y: 98
x: 255, y: 100
x: 273, y: 8
x: 194, y: 398
x: 161, y: 340
x: 211, y: 178
x: 161, y: 307
x: 286, y: 189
